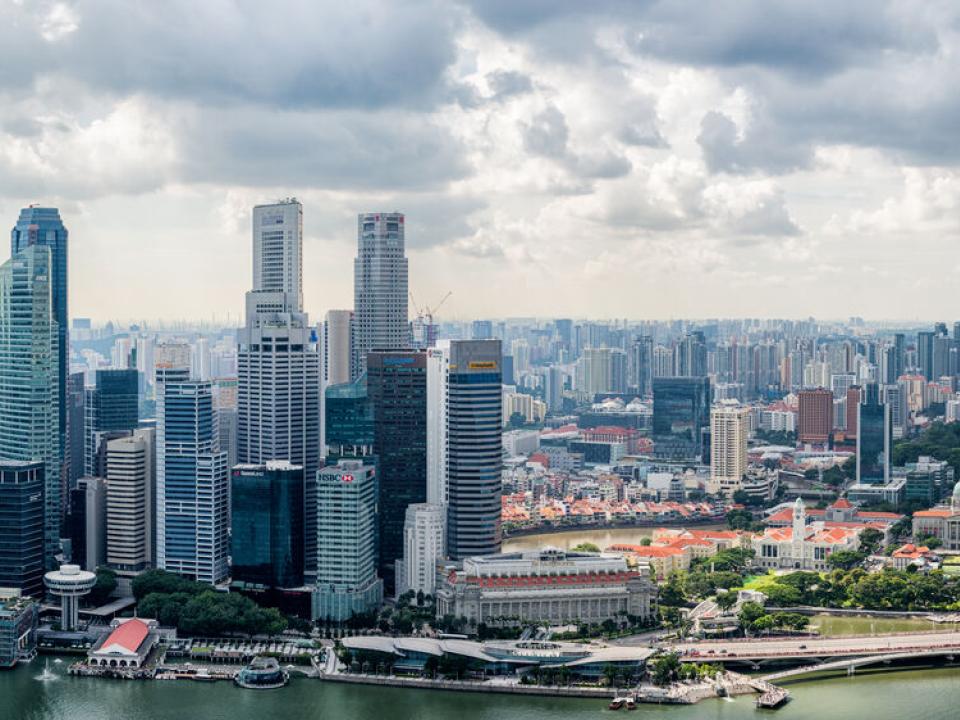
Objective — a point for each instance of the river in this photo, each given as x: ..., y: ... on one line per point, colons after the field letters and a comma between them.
x: 927, y: 694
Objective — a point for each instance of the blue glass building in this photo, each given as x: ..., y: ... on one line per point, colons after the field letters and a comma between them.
x: 349, y: 420
x: 40, y: 226
x: 266, y: 539
x: 681, y: 412
x: 874, y: 438
x: 21, y: 526
x: 111, y: 406
x: 29, y: 378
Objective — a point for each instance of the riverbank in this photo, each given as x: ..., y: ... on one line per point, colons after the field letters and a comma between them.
x: 713, y: 523
x: 567, y: 538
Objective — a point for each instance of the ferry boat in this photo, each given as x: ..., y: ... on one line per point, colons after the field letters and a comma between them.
x: 631, y: 704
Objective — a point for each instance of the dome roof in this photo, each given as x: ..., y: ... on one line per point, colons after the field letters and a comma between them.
x: 956, y: 491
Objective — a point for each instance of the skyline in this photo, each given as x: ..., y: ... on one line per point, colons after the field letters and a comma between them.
x: 651, y: 161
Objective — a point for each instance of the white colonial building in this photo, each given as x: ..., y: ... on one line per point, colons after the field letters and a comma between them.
x: 547, y: 586
x: 803, y: 546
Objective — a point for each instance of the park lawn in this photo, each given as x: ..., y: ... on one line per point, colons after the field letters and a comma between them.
x: 760, y: 582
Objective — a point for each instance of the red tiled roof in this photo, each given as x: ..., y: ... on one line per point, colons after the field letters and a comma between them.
x: 130, y: 635
x: 842, y: 504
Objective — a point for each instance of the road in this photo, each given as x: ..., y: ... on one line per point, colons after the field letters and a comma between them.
x: 817, y: 647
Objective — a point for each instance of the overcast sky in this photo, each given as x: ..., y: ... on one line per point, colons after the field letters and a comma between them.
x: 610, y: 158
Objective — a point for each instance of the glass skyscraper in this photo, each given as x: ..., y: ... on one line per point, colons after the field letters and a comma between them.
x: 379, y: 287
x: 42, y: 227
x: 349, y: 420
x: 681, y: 411
x: 111, y: 406
x: 30, y: 379
x: 397, y: 388
x: 874, y: 437
x: 21, y: 526
x: 192, y: 483
x: 474, y: 448
x: 266, y: 542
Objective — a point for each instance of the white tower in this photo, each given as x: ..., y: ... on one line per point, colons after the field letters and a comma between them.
x: 70, y: 583
x: 799, y: 531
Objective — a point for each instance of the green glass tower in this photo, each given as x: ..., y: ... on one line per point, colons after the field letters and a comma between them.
x: 30, y: 377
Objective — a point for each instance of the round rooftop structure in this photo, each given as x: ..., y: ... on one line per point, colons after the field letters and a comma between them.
x: 70, y: 583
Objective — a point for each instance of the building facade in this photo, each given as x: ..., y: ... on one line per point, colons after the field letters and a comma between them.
x: 424, y: 545
x: 347, y: 582
x: 267, y: 524
x: 815, y: 420
x: 112, y: 405
x: 729, y: 430
x: 546, y: 586
x: 803, y: 546
x: 129, y: 502
x: 337, y: 347
x: 22, y: 526
x: 380, y: 292
x: 30, y: 385
x: 474, y: 448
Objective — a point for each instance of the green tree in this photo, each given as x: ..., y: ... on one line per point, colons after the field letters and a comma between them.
x: 665, y: 668
x: 586, y: 547
x: 105, y: 586
x: 845, y: 559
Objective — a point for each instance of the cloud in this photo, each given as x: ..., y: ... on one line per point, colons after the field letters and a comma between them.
x: 507, y: 83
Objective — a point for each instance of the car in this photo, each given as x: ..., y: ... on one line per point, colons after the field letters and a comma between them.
x: 803, y: 647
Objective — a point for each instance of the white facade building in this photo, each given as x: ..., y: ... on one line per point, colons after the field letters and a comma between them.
x: 424, y: 545
x: 438, y: 369
x: 729, y: 429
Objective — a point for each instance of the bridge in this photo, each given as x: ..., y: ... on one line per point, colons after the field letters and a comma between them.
x: 759, y: 651
x: 851, y: 664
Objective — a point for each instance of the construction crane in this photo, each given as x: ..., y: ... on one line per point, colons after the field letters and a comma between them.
x: 426, y: 313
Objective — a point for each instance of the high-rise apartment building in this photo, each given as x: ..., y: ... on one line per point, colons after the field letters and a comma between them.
x: 379, y: 286
x: 602, y: 370
x: 338, y: 352
x: 729, y: 430
x: 346, y: 576
x: 30, y: 385
x: 397, y: 389
x: 21, y: 526
x: 42, y: 227
x: 129, y: 507
x: 278, y: 360
x: 641, y: 365
x: 192, y: 483
x: 474, y: 448
x: 815, y: 420
x: 267, y: 524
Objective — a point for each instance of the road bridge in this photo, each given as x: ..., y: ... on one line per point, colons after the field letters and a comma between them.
x: 851, y: 664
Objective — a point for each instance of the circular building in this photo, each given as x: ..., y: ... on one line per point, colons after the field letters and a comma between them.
x: 70, y: 583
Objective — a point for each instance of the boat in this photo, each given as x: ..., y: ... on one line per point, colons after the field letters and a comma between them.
x: 631, y: 704
x: 617, y: 703
x: 204, y: 676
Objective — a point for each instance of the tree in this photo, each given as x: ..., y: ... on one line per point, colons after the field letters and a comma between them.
x: 105, y: 586
x: 726, y: 600
x: 671, y: 592
x: 845, y: 559
x: 665, y: 668
x: 870, y: 540
x: 749, y: 613
x: 586, y: 547
x: 739, y: 519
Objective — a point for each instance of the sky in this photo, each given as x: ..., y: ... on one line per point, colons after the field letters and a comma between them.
x: 607, y: 159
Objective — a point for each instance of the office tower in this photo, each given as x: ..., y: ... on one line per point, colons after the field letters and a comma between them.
x: 925, y: 354
x: 130, y: 483
x: 171, y: 355
x: 347, y: 582
x: 438, y: 370
x: 481, y: 330
x: 337, y: 347
x: 642, y: 365
x: 852, y: 410
x: 839, y: 384
x: 76, y: 398
x: 146, y: 364
x: 564, y: 328
x: 815, y: 420
x: 942, y: 345
x: 267, y: 524
x: 379, y: 287
x: 662, y: 362
x: 691, y: 355
x: 42, y: 227
x: 729, y: 429
x: 507, y: 369
x: 349, y: 420
x: 681, y: 412
x: 278, y: 361
x: 200, y: 359
x: 192, y: 482
x: 22, y: 487
x: 874, y: 438
x: 29, y: 378
x: 87, y: 523
x: 424, y: 539
x: 474, y: 448
x: 111, y: 406
x: 397, y: 388
x: 900, y: 349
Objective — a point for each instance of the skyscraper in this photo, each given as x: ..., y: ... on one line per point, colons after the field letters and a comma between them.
x: 347, y: 582
x: 42, y: 227
x: 681, y: 411
x: 925, y: 354
x: 379, y: 287
x: 338, y: 353
x: 112, y: 405
x: 642, y: 365
x: 130, y: 480
x: 874, y: 438
x: 21, y: 526
x: 729, y: 429
x: 267, y: 524
x: 278, y: 359
x: 815, y: 420
x: 474, y: 448
x: 30, y: 377
x: 397, y: 388
x: 192, y: 489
